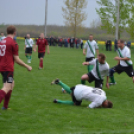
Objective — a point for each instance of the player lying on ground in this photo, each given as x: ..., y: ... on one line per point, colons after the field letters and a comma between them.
x: 100, y: 70
x: 28, y: 47
x: 91, y: 47
x: 124, y: 62
x: 9, y: 54
x: 42, y: 46
x: 96, y: 96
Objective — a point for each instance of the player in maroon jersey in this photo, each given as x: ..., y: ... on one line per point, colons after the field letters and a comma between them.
x: 42, y: 46
x: 9, y: 55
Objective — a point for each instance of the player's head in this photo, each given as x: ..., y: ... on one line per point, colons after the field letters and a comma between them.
x: 101, y: 58
x: 91, y: 37
x: 107, y: 104
x: 121, y: 43
x: 11, y: 30
x: 2, y: 34
x: 42, y: 35
x: 28, y: 36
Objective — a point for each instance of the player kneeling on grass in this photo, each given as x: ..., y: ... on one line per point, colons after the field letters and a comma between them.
x: 81, y: 92
x: 125, y: 63
x: 28, y: 48
x: 42, y: 46
x: 9, y: 54
x: 100, y: 70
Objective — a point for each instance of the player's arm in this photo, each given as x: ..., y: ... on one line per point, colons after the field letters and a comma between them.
x: 47, y: 47
x: 35, y: 48
x: 84, y: 51
x: 84, y: 48
x: 85, y: 63
x: 89, y: 63
x: 94, y: 105
x: 97, y: 49
x: 20, y: 62
x: 25, y: 45
x: 107, y: 82
x: 119, y: 58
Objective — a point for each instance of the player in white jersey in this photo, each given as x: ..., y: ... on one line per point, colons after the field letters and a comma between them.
x: 100, y: 70
x: 2, y: 36
x: 28, y: 47
x: 124, y: 62
x: 92, y: 48
x: 80, y: 92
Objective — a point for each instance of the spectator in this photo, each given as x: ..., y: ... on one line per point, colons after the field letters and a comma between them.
x: 81, y: 43
x: 108, y: 45
x: 78, y: 43
x: 65, y: 42
x: 129, y: 44
x: 115, y: 45
x: 72, y: 42
x: 2, y: 36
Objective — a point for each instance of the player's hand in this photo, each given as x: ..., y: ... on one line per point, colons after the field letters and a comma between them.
x: 84, y: 53
x: 24, y: 48
x: 34, y: 50
x: 48, y: 52
x: 107, y: 85
x: 29, y: 68
x: 117, y: 58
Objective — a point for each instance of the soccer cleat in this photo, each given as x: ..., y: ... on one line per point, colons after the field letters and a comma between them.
x: 110, y: 84
x: 40, y: 68
x: 56, y: 81
x: 3, y: 108
x: 28, y: 61
x: 54, y: 101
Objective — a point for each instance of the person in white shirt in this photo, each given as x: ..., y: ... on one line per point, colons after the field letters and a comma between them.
x: 80, y: 92
x: 2, y: 36
x: 100, y: 70
x: 92, y: 48
x: 125, y: 63
x: 28, y: 47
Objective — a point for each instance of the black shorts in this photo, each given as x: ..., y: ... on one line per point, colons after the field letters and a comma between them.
x: 7, y: 77
x: 41, y: 55
x: 129, y: 70
x: 29, y: 50
x: 78, y: 103
x: 98, y: 83
x: 89, y: 59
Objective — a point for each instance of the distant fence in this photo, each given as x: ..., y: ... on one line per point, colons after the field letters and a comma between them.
x: 99, y: 42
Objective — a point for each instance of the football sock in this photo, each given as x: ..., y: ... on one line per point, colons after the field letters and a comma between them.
x: 83, y: 82
x: 7, y: 99
x: 112, y: 79
x: 65, y: 102
x: 2, y: 95
x: 30, y: 57
x: 90, y: 67
x: 66, y: 87
x: 41, y: 63
x: 27, y: 56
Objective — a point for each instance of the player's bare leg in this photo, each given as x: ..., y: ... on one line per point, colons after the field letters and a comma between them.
x: 84, y: 78
x: 133, y: 79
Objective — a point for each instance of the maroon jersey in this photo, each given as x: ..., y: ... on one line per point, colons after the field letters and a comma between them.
x: 42, y: 45
x: 8, y: 48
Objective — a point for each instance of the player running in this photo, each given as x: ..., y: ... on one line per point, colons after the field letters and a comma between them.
x: 28, y: 47
x: 92, y: 48
x: 100, y: 70
x: 42, y: 46
x: 124, y: 62
x: 81, y: 92
x: 2, y: 36
x: 9, y: 54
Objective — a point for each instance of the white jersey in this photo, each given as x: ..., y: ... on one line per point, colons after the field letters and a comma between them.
x: 125, y: 52
x: 29, y: 42
x: 103, y: 69
x: 95, y: 95
x: 94, y: 47
x: 2, y: 37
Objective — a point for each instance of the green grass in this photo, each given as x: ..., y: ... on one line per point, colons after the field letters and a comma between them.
x: 32, y: 110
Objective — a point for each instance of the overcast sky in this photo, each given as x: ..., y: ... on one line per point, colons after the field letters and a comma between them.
x: 33, y: 12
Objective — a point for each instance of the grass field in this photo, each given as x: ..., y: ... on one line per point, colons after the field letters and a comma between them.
x: 32, y: 110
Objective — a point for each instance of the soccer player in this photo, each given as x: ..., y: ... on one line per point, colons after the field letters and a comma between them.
x: 42, y: 46
x: 92, y: 48
x: 28, y: 47
x: 124, y: 62
x: 100, y: 70
x: 2, y: 36
x: 81, y: 92
x: 9, y: 55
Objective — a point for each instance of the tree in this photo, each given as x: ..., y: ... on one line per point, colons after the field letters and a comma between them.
x: 108, y: 11
x: 74, y: 15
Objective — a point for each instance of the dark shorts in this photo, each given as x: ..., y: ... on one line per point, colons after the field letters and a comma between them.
x: 129, y: 70
x: 89, y: 59
x: 41, y: 55
x: 7, y: 77
x: 29, y: 50
x: 98, y: 83
x: 77, y: 103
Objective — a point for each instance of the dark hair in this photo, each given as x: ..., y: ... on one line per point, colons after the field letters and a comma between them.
x: 11, y: 29
x: 91, y: 35
x: 103, y: 57
x: 121, y: 41
x: 110, y: 104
